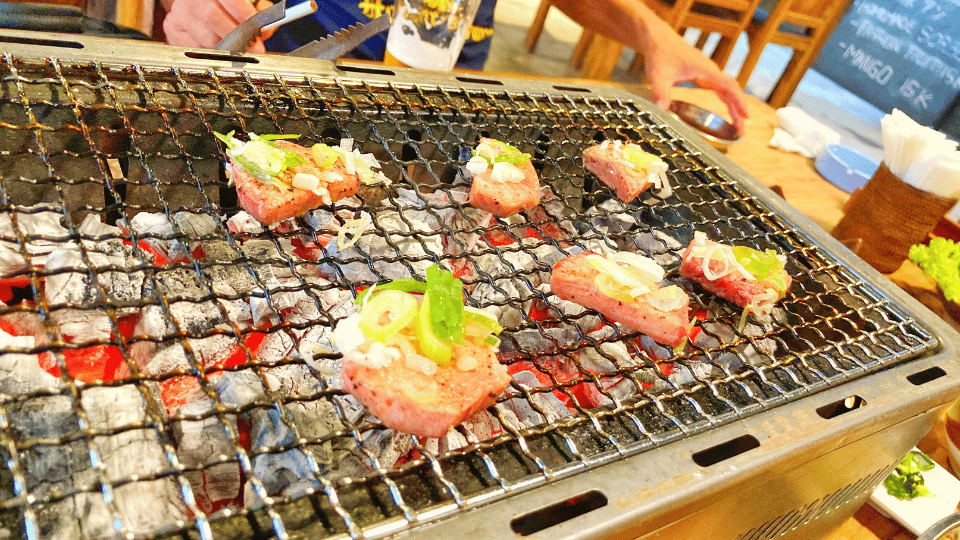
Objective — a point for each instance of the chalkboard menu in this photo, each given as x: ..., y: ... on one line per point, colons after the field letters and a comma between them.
x: 901, y: 54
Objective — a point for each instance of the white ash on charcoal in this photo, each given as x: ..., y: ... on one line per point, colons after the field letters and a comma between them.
x: 42, y: 233
x: 610, y: 217
x: 482, y: 426
x: 195, y: 225
x: 609, y: 357
x: 550, y: 407
x: 203, y: 446
x: 157, y: 231
x: 504, y: 298
x: 409, y: 247
x: 322, y: 372
x: 659, y: 246
x: 70, y: 281
x: 613, y: 391
x: 244, y: 223
x: 140, y: 507
x: 321, y: 219
x: 267, y: 260
x: 276, y: 470
x: 757, y: 352
x: 183, y: 289
x: 538, y: 342
x: 92, y: 231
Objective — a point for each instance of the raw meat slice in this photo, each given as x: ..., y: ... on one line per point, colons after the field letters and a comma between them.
x: 269, y: 204
x: 727, y: 278
x: 626, y: 168
x: 424, y: 405
x: 574, y: 278
x: 503, y: 189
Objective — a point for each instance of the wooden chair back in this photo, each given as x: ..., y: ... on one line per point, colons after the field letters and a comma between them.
x: 802, y: 25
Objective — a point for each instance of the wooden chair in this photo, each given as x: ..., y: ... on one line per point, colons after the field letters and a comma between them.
x: 802, y: 25
x: 729, y: 18
x: 536, y: 28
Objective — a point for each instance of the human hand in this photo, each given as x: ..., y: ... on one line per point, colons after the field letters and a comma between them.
x: 669, y: 60
x: 203, y: 23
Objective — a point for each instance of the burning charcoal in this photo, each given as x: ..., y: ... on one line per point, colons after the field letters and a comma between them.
x: 274, y: 266
x: 482, y: 426
x: 200, y: 443
x: 551, y: 406
x: 76, y: 285
x: 497, y: 299
x: 402, y: 241
x: 42, y: 234
x: 243, y: 223
x: 82, y: 326
x: 191, y: 316
x: 158, y: 231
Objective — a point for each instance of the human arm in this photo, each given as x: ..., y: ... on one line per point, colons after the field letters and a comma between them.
x: 668, y: 58
x: 203, y: 23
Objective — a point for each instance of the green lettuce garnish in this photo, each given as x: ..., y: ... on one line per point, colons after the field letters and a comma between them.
x: 906, y: 481
x: 941, y: 261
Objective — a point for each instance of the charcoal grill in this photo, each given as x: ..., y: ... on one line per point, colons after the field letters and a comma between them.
x: 759, y: 432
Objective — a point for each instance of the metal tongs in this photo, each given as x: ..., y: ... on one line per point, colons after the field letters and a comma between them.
x: 330, y: 47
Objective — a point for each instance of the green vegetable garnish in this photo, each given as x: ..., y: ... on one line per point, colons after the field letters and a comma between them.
x: 640, y: 159
x: 446, y: 297
x: 260, y: 157
x: 323, y: 155
x: 386, y: 314
x: 511, y: 154
x: 763, y: 265
x: 440, y: 321
x: 941, y: 261
x: 432, y: 346
x: 906, y: 481
x: 405, y: 285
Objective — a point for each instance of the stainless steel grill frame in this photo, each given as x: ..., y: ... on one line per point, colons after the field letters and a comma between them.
x: 72, y: 108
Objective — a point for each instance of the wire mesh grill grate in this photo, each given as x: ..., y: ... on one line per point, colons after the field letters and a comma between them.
x: 180, y: 359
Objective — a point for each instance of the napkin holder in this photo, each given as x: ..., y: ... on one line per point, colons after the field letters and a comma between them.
x: 889, y: 216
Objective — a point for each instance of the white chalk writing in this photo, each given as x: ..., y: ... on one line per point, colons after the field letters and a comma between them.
x: 873, y: 67
x: 900, y: 21
x: 949, y: 75
x: 886, y: 40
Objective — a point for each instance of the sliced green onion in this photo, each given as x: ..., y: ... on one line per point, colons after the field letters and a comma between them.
x: 386, y: 314
x: 472, y: 315
x: 764, y: 266
x: 641, y: 160
x: 446, y: 313
x: 438, y: 350
x: 274, y: 137
x: 260, y: 157
x: 405, y: 285
x: 491, y: 341
x: 510, y: 154
x: 323, y: 155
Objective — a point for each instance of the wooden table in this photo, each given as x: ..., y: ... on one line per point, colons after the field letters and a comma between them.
x: 823, y: 202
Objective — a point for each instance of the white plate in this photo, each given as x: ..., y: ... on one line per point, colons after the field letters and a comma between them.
x: 919, y: 514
